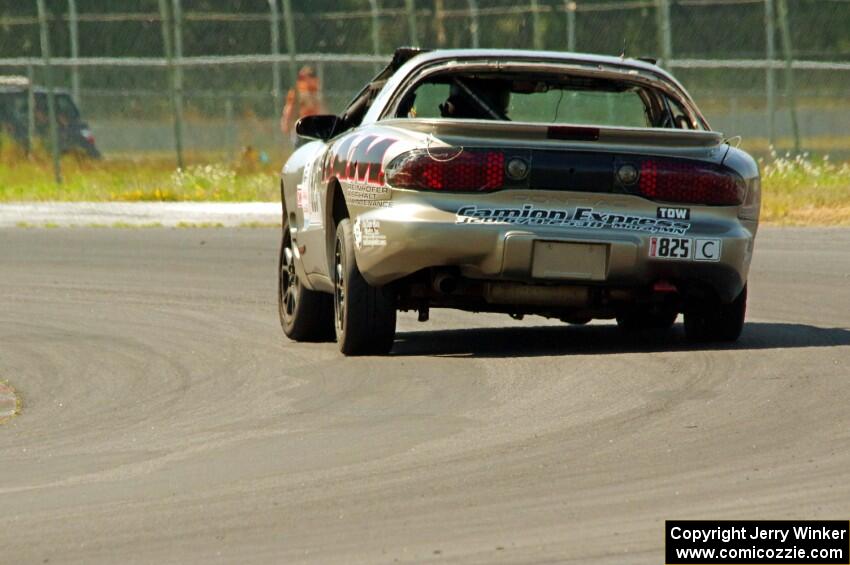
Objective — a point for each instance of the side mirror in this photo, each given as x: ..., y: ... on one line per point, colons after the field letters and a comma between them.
x: 317, y: 127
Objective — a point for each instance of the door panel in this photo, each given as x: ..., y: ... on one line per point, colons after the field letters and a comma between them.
x: 306, y: 197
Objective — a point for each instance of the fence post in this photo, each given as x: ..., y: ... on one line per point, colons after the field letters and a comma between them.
x: 665, y: 42
x: 165, y: 17
x: 73, y: 32
x: 473, y: 22
x: 439, y: 23
x: 571, y: 7
x: 31, y: 107
x: 411, y: 22
x: 785, y: 29
x: 290, y: 48
x: 178, y: 69
x: 230, y: 125
x: 376, y: 29
x: 534, y: 6
x: 770, y: 84
x: 51, y: 95
x: 275, y: 41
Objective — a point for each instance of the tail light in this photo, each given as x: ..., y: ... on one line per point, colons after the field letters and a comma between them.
x: 453, y: 169
x: 690, y: 182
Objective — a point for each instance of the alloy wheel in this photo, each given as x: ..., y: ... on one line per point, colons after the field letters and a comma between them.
x: 339, y: 286
x: 288, y: 282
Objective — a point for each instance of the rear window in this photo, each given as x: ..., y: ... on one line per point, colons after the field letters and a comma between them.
x: 556, y: 99
x: 65, y: 107
x: 580, y: 107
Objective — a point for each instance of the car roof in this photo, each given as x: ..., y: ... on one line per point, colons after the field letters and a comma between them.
x: 626, y: 63
x: 414, y: 59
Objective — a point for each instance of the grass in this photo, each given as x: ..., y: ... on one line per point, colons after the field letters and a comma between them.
x: 821, y: 145
x: 796, y: 190
x: 30, y: 178
x: 804, y: 192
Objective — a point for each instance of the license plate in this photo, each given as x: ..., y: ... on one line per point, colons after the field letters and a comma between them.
x: 565, y: 260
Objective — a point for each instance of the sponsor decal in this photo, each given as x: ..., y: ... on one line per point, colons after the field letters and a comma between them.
x: 357, y: 231
x: 365, y: 194
x: 685, y: 248
x: 367, y: 233
x: 668, y: 213
x: 579, y: 218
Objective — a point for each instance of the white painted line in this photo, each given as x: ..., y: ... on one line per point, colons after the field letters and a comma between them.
x: 137, y: 213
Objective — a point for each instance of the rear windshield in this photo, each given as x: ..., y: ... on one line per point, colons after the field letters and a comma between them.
x: 15, y: 106
x: 65, y: 107
x: 557, y: 99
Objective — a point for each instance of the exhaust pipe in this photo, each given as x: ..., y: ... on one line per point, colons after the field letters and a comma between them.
x: 445, y: 283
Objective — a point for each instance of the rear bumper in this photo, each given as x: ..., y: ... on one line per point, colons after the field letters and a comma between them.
x: 412, y: 235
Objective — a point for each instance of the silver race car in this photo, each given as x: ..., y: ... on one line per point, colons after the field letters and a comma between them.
x: 522, y: 182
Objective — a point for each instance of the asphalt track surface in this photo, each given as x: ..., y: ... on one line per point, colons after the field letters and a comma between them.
x: 166, y: 419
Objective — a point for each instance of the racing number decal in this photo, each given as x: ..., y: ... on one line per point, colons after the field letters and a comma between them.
x: 684, y: 248
x: 308, y: 198
x: 670, y: 247
x: 707, y: 249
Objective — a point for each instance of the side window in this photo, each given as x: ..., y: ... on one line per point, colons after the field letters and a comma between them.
x: 680, y: 116
x: 356, y: 111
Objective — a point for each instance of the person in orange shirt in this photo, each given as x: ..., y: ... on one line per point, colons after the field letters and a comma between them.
x: 303, y: 100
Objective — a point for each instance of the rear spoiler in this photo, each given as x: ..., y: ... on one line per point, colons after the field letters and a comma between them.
x: 603, y: 135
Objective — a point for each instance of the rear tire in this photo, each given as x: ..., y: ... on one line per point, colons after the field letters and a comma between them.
x: 365, y: 314
x: 717, y: 322
x: 305, y: 315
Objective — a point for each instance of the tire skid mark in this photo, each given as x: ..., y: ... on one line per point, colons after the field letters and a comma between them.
x: 151, y: 465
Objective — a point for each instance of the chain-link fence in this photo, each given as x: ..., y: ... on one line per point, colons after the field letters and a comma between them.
x: 221, y: 70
